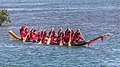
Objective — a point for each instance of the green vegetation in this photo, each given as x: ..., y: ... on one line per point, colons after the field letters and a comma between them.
x: 4, y: 16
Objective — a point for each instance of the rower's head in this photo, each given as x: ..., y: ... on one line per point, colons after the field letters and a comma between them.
x: 26, y: 29
x: 34, y: 30
x: 78, y: 33
x: 41, y: 32
x: 69, y: 31
x: 53, y: 32
x: 61, y: 33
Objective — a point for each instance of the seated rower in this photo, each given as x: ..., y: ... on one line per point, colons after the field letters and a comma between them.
x: 27, y: 32
x: 33, y: 36
x: 72, y: 34
x: 43, y: 36
x: 52, y: 35
x: 60, y: 39
x: 68, y: 37
x: 77, y: 37
x: 39, y: 36
x: 22, y: 31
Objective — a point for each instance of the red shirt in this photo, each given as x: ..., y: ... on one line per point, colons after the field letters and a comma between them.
x: 22, y: 31
x: 78, y: 38
x: 39, y: 36
x: 43, y: 36
x: 33, y: 36
x: 53, y: 37
x: 67, y: 37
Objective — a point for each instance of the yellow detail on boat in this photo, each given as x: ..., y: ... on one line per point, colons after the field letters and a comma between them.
x: 13, y: 35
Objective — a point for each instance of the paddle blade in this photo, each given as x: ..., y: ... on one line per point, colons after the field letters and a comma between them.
x: 69, y: 44
x: 24, y: 39
x: 60, y: 44
x: 48, y: 42
x: 40, y: 42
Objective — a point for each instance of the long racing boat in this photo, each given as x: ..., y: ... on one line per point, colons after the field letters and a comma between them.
x: 81, y: 43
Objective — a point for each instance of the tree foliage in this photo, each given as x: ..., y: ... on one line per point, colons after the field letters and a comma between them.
x: 4, y: 16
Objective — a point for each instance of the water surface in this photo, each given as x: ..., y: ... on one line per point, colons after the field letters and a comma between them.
x: 93, y: 17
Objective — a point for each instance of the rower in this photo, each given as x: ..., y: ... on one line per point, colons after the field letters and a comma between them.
x: 52, y: 35
x: 22, y: 31
x: 43, y: 36
x: 39, y: 36
x: 72, y: 32
x: 61, y: 32
x: 77, y: 37
x: 27, y: 32
x: 68, y: 36
x: 60, y: 39
x: 69, y: 32
x: 33, y: 36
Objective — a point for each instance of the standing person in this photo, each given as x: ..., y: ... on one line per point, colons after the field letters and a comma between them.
x: 22, y: 31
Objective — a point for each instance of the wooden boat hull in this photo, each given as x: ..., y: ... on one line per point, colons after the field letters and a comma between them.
x: 81, y: 43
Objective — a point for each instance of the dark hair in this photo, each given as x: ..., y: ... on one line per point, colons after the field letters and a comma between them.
x: 34, y: 30
x: 53, y: 32
x: 41, y: 32
x: 26, y: 28
x: 78, y: 33
x: 69, y: 31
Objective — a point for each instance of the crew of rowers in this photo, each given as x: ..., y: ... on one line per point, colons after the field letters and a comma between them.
x: 62, y: 37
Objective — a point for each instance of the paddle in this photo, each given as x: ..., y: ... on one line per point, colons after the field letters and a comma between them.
x: 60, y: 43
x: 49, y: 39
x: 102, y: 38
x: 24, y: 39
x: 40, y: 42
x: 69, y: 42
x: 61, y: 34
x: 81, y: 34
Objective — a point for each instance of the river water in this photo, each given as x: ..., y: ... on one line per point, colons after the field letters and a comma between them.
x: 93, y: 17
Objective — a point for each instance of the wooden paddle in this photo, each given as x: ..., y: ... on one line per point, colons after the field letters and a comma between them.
x: 25, y: 38
x: 60, y: 43
x: 81, y: 34
x: 49, y: 39
x: 69, y: 42
x: 40, y: 42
